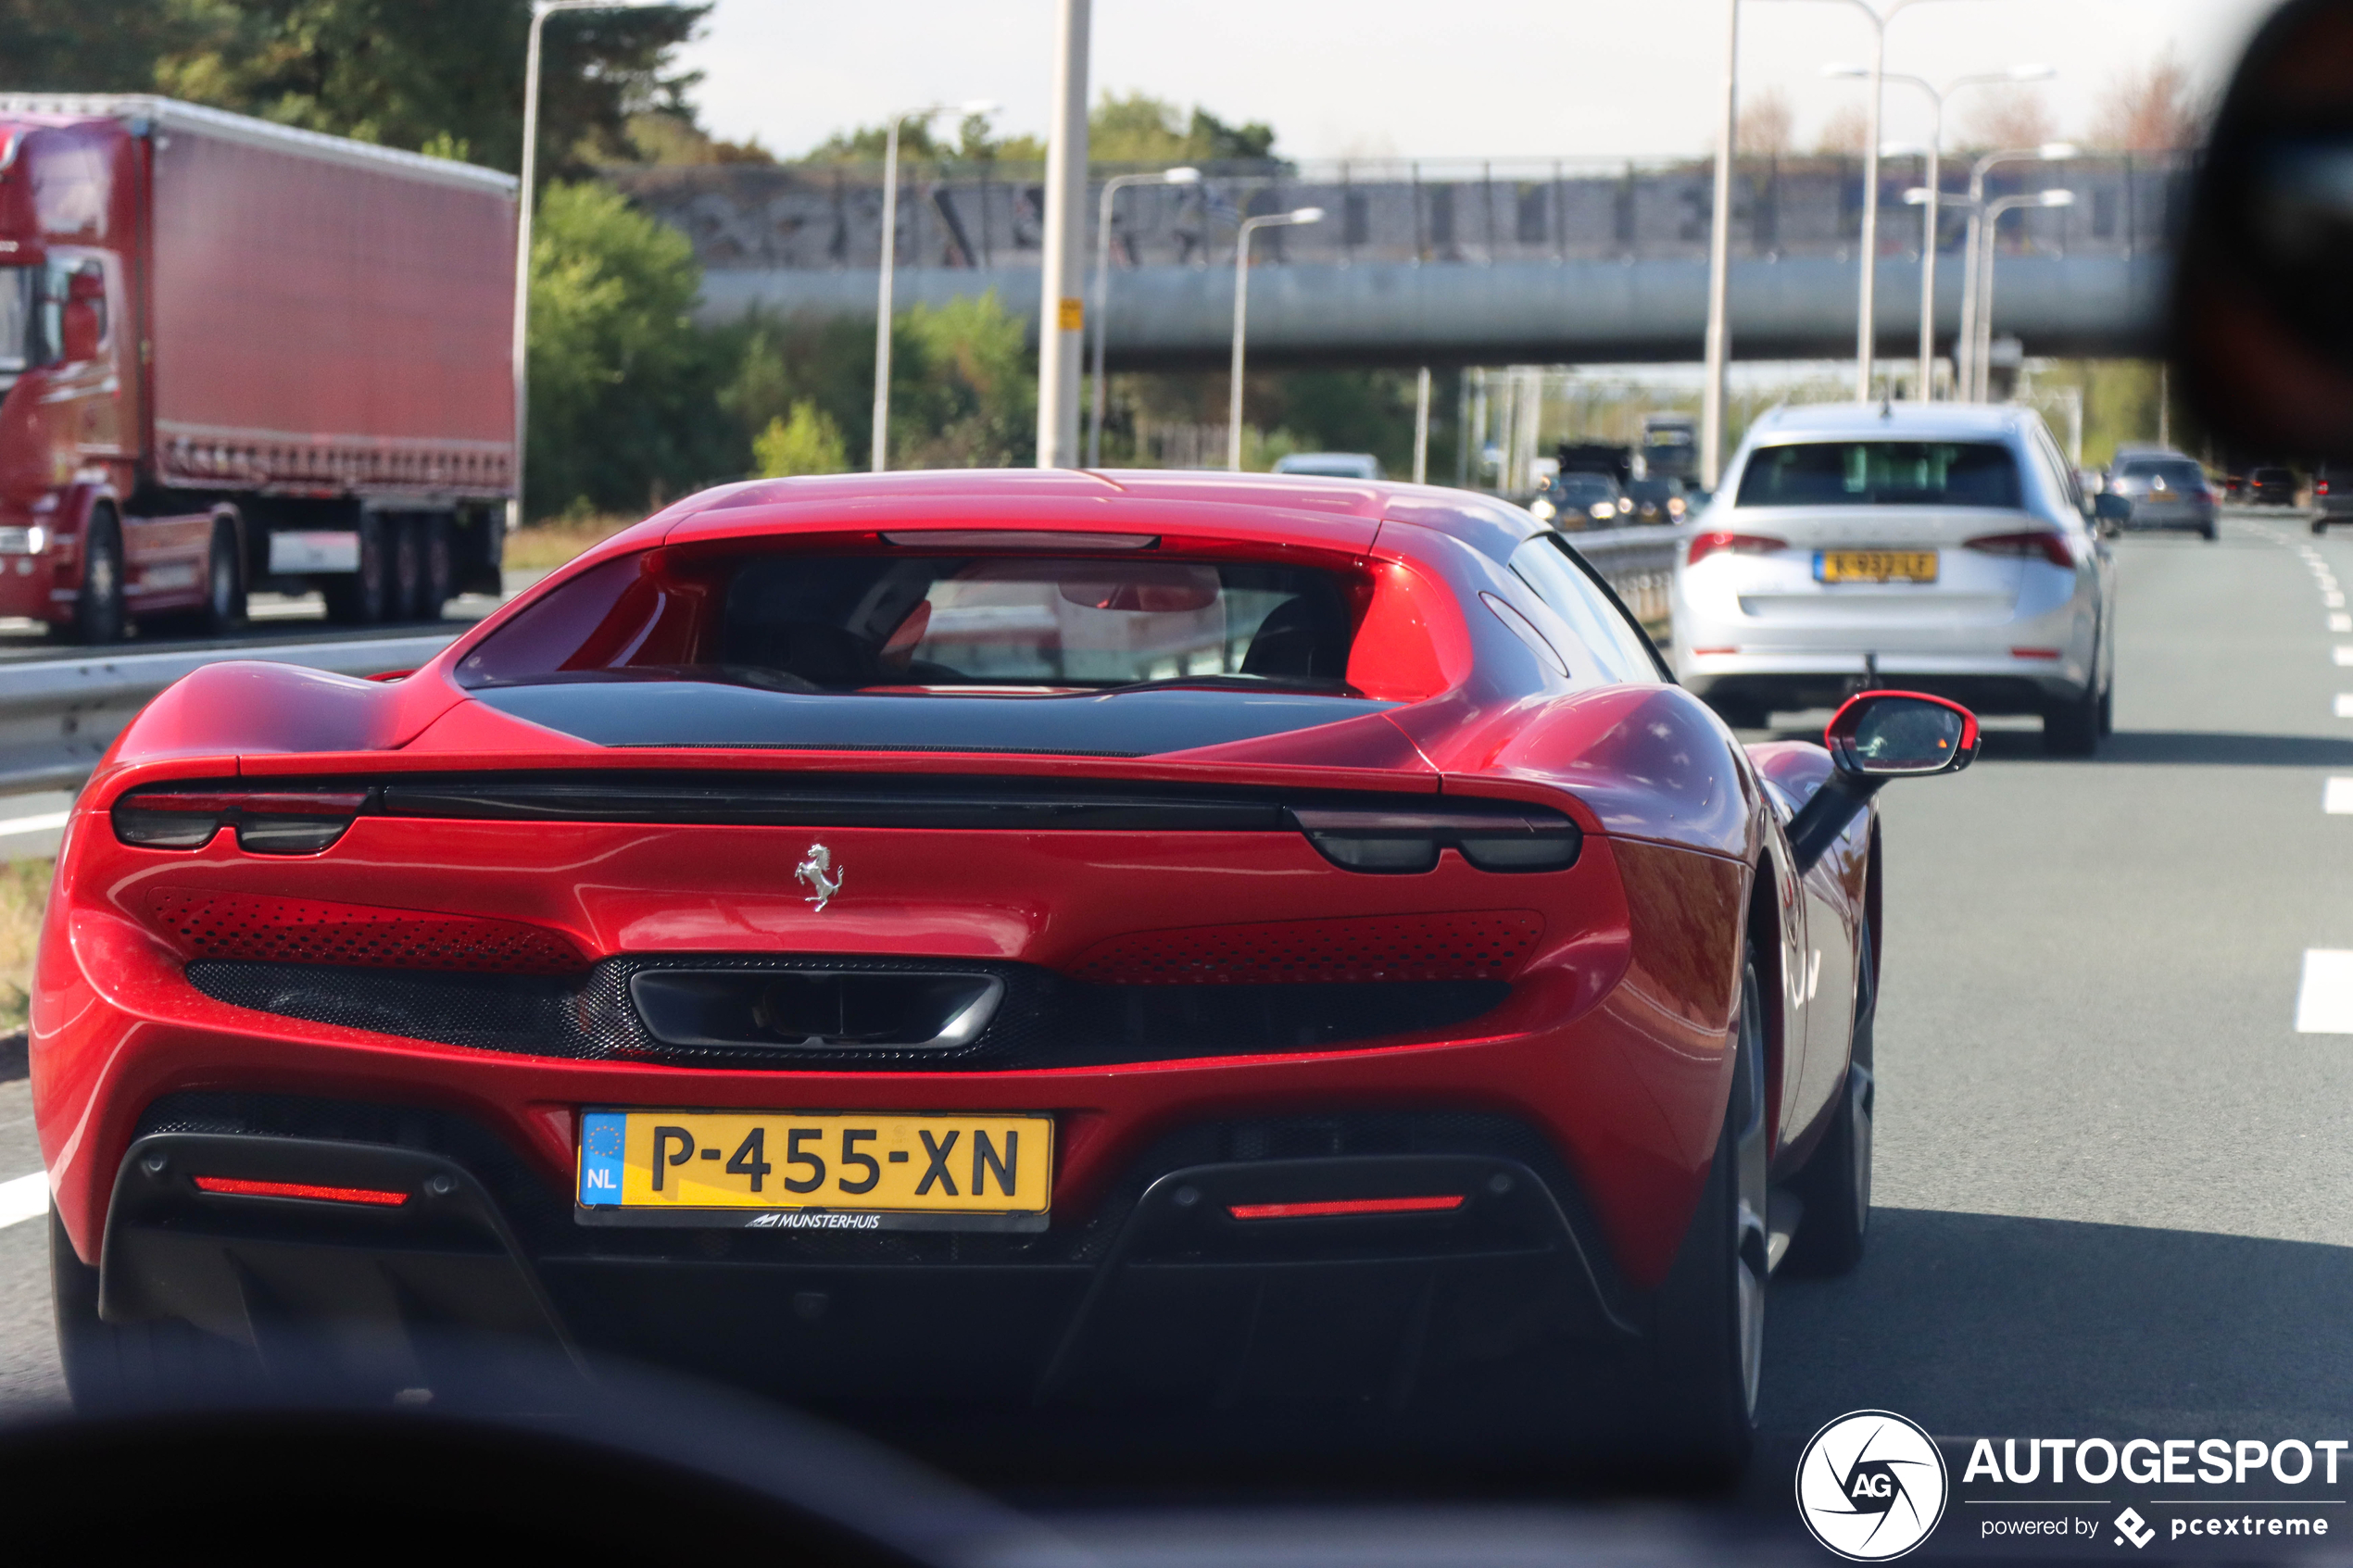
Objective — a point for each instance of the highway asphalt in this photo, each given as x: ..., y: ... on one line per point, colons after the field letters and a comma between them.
x: 2111, y: 1172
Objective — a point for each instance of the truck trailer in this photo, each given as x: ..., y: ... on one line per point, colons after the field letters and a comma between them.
x: 238, y: 355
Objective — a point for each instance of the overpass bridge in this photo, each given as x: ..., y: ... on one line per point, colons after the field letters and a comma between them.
x: 1448, y: 263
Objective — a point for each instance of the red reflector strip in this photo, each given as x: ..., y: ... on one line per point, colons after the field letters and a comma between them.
x: 237, y: 1186
x: 1325, y: 1211
x: 1705, y: 652
x: 2034, y: 653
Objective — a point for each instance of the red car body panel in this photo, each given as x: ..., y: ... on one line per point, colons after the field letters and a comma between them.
x: 1613, y: 1041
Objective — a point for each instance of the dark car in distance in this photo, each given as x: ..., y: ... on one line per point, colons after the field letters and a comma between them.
x: 2167, y: 489
x: 2271, y: 486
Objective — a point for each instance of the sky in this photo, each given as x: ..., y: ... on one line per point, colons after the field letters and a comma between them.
x: 1498, y: 79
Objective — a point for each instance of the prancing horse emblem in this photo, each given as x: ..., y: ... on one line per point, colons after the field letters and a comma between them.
x: 817, y: 873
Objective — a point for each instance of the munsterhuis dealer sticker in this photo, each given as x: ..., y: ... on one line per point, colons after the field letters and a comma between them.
x: 1873, y: 1484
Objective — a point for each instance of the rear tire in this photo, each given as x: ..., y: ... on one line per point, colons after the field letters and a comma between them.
x: 2319, y: 525
x: 358, y: 598
x: 407, y: 587
x: 2108, y: 708
x: 1708, y: 1340
x: 98, y: 612
x: 115, y: 1367
x: 224, y: 605
x: 1836, y: 1182
x: 2071, y: 728
x: 436, y: 580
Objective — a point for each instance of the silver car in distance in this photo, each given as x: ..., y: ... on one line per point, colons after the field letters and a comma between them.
x: 1949, y: 547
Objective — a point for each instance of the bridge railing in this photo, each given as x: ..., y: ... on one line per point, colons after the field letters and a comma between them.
x: 962, y: 215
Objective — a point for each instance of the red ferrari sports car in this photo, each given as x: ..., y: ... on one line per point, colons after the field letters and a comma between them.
x: 965, y: 941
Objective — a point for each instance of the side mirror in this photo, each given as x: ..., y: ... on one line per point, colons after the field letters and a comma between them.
x: 1874, y: 738
x: 2262, y: 325
x: 83, y: 329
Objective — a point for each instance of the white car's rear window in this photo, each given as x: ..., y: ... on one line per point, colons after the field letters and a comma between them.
x: 1882, y: 474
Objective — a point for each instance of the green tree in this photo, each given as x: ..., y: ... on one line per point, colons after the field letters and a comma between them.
x: 804, y: 442
x: 623, y: 406
x: 1137, y: 127
x: 399, y: 73
x: 962, y: 377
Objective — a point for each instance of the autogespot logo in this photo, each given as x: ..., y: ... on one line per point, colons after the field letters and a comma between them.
x: 1872, y: 1485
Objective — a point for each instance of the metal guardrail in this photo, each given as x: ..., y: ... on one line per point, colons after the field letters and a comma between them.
x: 1638, y: 563
x: 58, y: 717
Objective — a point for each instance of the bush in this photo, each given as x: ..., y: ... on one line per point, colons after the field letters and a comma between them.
x: 807, y: 442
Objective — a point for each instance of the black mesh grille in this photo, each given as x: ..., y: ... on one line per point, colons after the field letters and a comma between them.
x: 1045, y: 1020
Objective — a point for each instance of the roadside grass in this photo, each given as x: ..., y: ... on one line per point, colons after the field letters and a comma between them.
x: 24, y: 891
x: 542, y: 546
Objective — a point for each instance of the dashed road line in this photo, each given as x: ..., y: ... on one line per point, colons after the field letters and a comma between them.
x: 48, y: 819
x: 2324, y: 997
x: 2337, y: 798
x: 27, y: 1198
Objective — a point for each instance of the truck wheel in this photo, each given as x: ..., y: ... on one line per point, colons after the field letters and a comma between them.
x: 437, y: 571
x: 358, y: 599
x: 408, y: 570
x: 224, y: 603
x: 98, y: 613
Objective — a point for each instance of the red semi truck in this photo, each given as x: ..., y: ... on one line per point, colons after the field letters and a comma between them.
x: 238, y: 355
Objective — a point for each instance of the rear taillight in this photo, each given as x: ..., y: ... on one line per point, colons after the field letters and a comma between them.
x: 1404, y: 842
x: 1706, y: 544
x: 269, y: 821
x: 2320, y: 487
x: 2032, y: 544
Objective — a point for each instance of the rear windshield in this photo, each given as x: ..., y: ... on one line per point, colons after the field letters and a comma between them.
x: 869, y: 623
x: 2178, y: 472
x: 1882, y: 474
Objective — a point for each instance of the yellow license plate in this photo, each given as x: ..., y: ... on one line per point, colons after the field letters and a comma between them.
x: 788, y: 1170
x: 1875, y: 566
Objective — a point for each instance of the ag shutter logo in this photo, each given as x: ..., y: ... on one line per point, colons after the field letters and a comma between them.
x: 1872, y: 1485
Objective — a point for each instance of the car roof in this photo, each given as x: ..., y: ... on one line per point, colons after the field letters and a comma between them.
x: 1492, y: 526
x: 1903, y: 421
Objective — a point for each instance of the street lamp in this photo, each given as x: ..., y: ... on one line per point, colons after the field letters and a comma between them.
x: 1112, y: 187
x: 1973, y: 380
x: 1993, y: 211
x: 1932, y: 188
x: 521, y: 352
x: 1719, y: 239
x: 1241, y: 316
x: 891, y: 262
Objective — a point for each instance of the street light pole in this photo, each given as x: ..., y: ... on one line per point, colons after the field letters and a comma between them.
x: 1421, y: 426
x: 1719, y: 252
x: 1993, y: 211
x: 1934, y: 185
x: 1061, y: 316
x: 881, y: 441
x: 1112, y: 187
x: 1968, y: 364
x: 520, y: 350
x: 1241, y: 316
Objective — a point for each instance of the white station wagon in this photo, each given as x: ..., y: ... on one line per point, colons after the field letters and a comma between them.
x: 1946, y: 549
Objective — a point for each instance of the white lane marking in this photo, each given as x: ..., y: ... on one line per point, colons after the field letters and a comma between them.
x: 2324, y: 999
x: 27, y: 1198
x: 2343, y: 653
x: 2333, y: 600
x: 2345, y: 705
x: 2337, y: 798
x: 48, y: 819
x: 2341, y: 622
